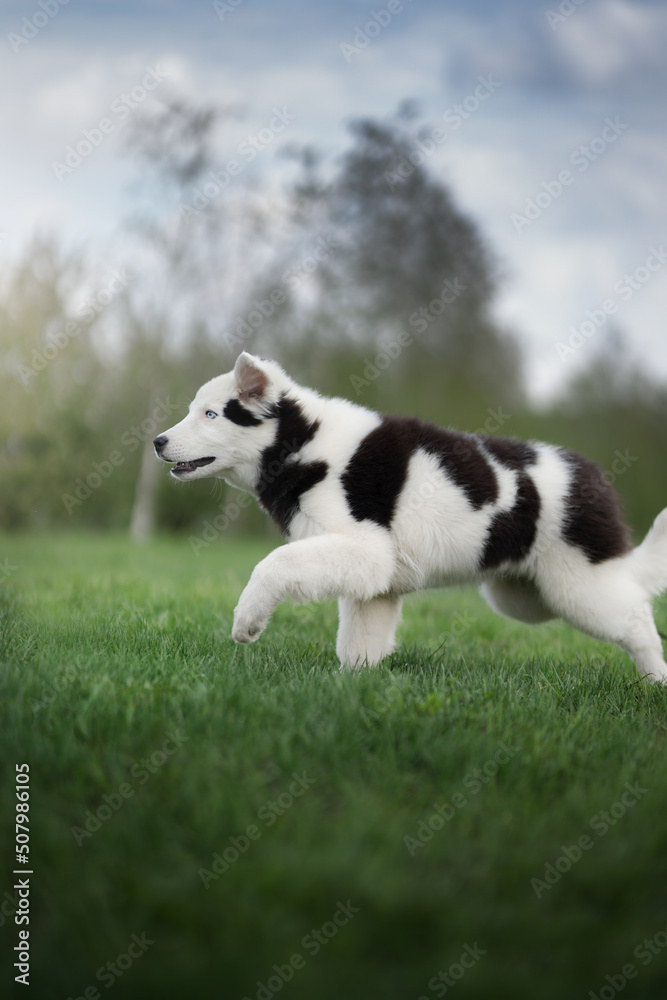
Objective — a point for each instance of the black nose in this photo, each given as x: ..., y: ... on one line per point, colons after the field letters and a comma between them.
x: 159, y: 443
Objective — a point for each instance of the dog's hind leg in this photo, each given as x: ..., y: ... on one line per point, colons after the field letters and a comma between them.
x: 607, y: 601
x: 642, y: 642
x: 367, y: 629
x: 648, y: 565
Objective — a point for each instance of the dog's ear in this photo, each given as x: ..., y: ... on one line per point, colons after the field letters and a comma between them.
x: 251, y: 380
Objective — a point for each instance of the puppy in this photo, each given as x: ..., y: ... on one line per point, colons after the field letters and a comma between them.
x: 375, y: 507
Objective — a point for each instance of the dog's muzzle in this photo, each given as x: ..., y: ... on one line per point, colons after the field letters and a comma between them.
x: 160, y: 443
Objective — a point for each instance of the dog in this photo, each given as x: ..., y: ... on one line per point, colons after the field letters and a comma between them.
x: 375, y: 507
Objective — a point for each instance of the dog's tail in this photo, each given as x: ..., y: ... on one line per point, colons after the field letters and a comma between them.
x: 650, y: 558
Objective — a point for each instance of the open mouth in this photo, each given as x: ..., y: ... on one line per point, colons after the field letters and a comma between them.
x: 182, y: 467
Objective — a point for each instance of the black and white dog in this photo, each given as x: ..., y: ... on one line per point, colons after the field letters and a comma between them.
x: 375, y: 507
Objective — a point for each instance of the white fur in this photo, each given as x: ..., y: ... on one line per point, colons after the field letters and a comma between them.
x: 435, y: 538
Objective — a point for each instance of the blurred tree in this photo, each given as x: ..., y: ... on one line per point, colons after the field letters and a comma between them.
x: 173, y: 146
x: 48, y: 318
x: 201, y: 232
x: 380, y: 249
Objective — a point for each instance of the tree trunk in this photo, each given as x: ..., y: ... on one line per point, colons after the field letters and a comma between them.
x: 142, y: 524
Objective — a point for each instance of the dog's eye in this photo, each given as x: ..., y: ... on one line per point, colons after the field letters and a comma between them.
x: 211, y: 414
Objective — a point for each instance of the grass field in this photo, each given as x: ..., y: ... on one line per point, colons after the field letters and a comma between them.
x: 489, y: 805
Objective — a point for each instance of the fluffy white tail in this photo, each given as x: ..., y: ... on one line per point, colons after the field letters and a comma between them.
x: 650, y: 557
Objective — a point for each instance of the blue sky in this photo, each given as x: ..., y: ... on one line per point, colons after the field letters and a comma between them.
x: 564, y: 75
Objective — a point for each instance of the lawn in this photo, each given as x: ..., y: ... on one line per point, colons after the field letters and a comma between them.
x: 483, y: 816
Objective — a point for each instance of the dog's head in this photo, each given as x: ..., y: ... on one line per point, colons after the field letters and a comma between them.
x: 229, y: 424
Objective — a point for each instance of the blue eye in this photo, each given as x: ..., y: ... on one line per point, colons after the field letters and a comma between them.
x: 211, y: 414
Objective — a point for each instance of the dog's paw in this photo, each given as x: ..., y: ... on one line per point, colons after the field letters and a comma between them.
x: 247, y: 627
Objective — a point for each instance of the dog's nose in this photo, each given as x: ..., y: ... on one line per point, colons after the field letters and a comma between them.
x: 159, y: 443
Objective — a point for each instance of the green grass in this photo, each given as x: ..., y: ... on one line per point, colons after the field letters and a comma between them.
x: 108, y: 647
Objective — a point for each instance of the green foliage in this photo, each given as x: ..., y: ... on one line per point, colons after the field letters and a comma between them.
x: 405, y: 273
x: 107, y: 648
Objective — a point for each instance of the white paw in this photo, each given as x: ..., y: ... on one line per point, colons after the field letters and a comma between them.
x: 249, y: 621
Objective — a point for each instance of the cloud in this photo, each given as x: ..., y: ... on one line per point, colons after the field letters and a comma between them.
x: 612, y: 44
x: 615, y: 44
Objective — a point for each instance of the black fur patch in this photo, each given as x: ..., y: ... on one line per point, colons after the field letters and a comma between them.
x: 282, y: 478
x: 463, y: 462
x: 513, y: 531
x: 376, y: 473
x: 512, y: 453
x: 593, y: 517
x: 374, y: 476
x: 238, y: 414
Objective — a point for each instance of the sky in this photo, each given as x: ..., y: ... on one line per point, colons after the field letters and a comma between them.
x: 551, y: 124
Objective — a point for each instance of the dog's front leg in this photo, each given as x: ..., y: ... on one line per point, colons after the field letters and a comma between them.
x: 358, y: 565
x: 367, y: 629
